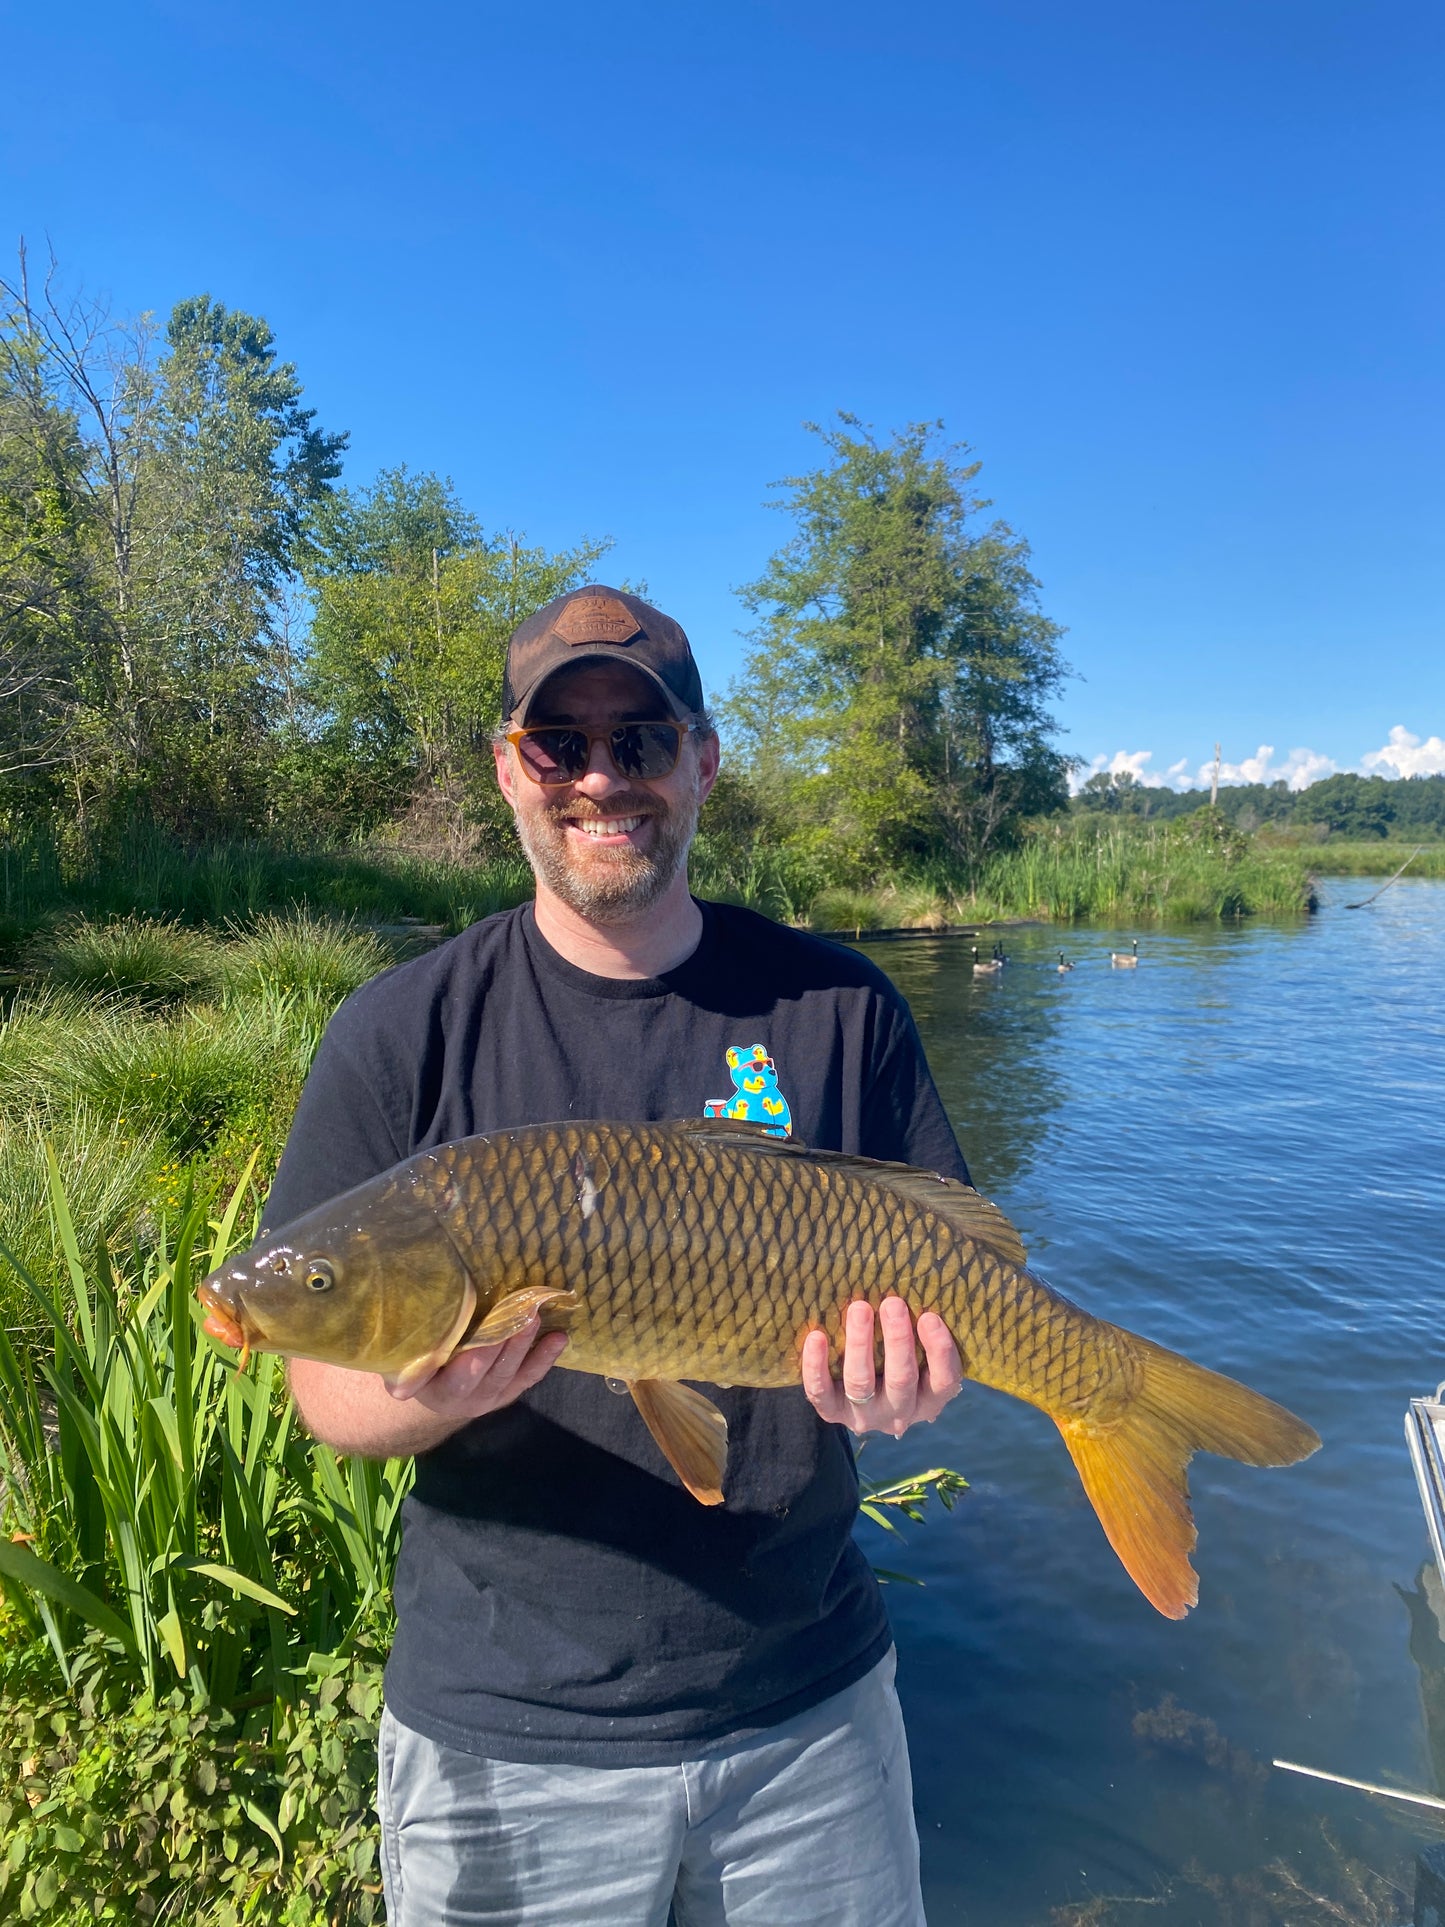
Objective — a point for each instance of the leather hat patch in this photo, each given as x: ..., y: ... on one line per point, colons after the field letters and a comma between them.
x: 596, y: 618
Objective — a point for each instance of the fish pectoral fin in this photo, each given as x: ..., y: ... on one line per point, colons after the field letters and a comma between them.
x: 413, y: 1376
x: 510, y: 1314
x: 415, y: 1373
x: 690, y: 1431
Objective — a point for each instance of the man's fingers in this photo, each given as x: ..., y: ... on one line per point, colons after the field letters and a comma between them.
x: 900, y: 1354
x: 538, y: 1362
x: 818, y: 1386
x: 943, y: 1368
x: 860, y: 1380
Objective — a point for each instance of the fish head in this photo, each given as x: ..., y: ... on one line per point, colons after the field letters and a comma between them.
x: 371, y: 1281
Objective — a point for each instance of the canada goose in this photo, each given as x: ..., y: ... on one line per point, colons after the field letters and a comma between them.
x: 986, y: 966
x: 1000, y: 955
x: 1062, y: 965
x: 1125, y: 960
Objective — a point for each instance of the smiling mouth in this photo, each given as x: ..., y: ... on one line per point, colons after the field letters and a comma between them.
x: 603, y: 826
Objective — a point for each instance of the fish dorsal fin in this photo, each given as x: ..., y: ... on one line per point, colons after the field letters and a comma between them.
x: 690, y: 1431
x: 735, y: 1134
x: 968, y: 1210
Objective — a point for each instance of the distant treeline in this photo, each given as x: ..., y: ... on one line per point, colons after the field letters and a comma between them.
x: 203, y: 628
x: 1358, y: 807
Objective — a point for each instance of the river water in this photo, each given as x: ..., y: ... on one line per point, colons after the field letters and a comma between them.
x: 1237, y: 1149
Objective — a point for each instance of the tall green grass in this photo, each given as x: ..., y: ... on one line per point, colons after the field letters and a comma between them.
x: 136, y: 1086
x: 1135, y: 876
x: 150, y: 875
x: 203, y: 1581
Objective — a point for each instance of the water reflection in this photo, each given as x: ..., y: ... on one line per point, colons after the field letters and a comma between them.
x: 1426, y: 1607
x: 992, y: 1046
x: 1238, y: 1149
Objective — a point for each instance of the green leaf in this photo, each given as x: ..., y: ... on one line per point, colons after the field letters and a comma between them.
x: 263, y: 1820
x: 168, y: 1626
x: 238, y: 1582
x: 28, y: 1569
x: 887, y: 1578
x: 68, y: 1840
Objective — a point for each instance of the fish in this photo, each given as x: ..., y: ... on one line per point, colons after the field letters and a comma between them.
x: 708, y: 1250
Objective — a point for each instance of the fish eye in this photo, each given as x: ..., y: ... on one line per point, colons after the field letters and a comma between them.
x: 319, y: 1276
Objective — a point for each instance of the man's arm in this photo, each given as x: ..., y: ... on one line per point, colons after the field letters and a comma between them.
x: 356, y: 1414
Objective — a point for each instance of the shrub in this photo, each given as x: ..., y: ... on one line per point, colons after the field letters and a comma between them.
x: 127, y: 1811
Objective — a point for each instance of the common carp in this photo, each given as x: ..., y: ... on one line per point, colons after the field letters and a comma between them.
x: 709, y: 1250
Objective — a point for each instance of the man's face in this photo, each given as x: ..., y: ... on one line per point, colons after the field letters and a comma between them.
x: 608, y: 846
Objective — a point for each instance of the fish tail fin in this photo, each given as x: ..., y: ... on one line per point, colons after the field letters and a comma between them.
x: 1133, y: 1463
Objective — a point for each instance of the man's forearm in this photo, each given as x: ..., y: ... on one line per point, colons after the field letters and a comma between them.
x: 355, y: 1414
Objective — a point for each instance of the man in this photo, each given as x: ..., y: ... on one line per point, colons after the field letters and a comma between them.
x: 604, y: 1699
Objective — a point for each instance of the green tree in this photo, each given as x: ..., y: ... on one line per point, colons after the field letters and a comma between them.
x: 1358, y: 806
x: 175, y: 480
x: 895, y: 692
x: 44, y: 576
x: 413, y: 605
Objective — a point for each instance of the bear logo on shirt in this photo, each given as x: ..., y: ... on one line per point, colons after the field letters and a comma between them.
x: 757, y: 1099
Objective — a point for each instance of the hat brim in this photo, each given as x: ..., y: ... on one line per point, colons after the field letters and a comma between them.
x: 522, y: 709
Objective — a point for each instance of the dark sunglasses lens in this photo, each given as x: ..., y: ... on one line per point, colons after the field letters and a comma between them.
x: 554, y: 755
x: 645, y: 749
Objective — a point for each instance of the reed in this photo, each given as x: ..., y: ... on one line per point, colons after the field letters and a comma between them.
x: 152, y: 1495
x: 1150, y: 875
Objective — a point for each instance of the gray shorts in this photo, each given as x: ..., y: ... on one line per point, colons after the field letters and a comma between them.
x: 810, y: 1822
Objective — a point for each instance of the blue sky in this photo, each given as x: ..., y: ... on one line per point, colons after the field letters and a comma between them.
x: 1175, y: 273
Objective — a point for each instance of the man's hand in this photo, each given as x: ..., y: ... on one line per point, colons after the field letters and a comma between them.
x: 906, y: 1396
x: 357, y: 1412
x: 487, y: 1377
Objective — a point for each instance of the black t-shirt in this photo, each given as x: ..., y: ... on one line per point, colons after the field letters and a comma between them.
x: 559, y: 1595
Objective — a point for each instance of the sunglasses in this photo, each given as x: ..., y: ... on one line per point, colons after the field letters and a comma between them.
x: 560, y: 752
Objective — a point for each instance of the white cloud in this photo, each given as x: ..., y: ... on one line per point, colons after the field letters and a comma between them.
x: 1406, y: 755
x: 1123, y: 761
x: 1403, y: 755
x: 1299, y: 769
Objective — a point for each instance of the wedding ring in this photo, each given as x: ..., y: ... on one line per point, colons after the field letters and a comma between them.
x: 855, y: 1398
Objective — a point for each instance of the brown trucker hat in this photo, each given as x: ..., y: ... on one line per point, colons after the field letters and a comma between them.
x: 598, y: 624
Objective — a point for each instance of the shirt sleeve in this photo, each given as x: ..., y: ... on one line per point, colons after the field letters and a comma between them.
x: 903, y: 1115
x: 341, y: 1134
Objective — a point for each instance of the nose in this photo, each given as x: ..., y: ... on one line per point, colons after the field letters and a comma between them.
x: 600, y: 778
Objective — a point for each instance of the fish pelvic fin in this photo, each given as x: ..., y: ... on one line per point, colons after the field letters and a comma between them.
x: 690, y: 1431
x: 1133, y: 1464
x: 510, y: 1314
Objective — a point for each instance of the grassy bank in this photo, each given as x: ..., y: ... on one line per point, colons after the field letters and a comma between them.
x: 1375, y: 859
x: 153, y: 875
x: 146, y: 1056
x: 1121, y: 876
x: 1187, y: 871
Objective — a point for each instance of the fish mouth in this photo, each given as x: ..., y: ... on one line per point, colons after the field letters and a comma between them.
x: 222, y: 1322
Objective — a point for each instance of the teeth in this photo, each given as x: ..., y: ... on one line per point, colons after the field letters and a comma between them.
x: 606, y: 825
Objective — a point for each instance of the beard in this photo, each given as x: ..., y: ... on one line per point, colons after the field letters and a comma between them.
x: 610, y: 886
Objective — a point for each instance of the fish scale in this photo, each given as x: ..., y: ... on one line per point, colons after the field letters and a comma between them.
x: 709, y: 1250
